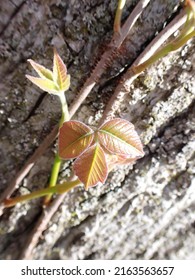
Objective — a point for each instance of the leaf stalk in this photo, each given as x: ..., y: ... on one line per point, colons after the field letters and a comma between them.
x: 185, y: 35
x: 58, y: 189
x: 117, y: 20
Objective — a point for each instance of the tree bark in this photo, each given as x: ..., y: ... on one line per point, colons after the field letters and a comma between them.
x: 141, y: 212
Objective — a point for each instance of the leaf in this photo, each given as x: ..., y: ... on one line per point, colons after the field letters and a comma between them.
x: 74, y: 138
x: 118, y: 136
x: 60, y: 72
x: 44, y: 84
x: 114, y: 160
x: 66, y: 83
x: 55, y: 82
x: 125, y: 160
x: 41, y: 70
x: 91, y: 167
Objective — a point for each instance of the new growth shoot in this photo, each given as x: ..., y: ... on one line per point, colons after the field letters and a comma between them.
x: 54, y: 82
x: 115, y: 142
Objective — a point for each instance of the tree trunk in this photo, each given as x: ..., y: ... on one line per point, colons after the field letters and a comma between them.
x: 141, y: 212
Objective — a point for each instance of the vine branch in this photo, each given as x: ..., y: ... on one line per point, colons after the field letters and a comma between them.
x: 127, y: 79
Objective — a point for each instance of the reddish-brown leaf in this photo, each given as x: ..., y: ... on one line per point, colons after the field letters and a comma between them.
x: 91, y: 167
x: 114, y: 160
x: 74, y: 138
x: 118, y: 136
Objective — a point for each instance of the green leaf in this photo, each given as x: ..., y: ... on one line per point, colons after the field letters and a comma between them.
x: 44, y: 84
x: 41, y: 70
x: 118, y: 136
x: 91, y: 167
x: 60, y: 72
x: 74, y: 138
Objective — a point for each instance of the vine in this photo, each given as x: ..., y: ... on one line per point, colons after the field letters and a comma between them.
x: 115, y: 141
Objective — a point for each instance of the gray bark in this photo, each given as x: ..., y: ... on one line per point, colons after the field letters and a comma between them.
x: 141, y: 212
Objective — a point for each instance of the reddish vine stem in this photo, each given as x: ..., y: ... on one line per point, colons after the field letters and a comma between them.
x: 115, y: 43
x: 40, y: 226
x: 128, y: 78
x: 42, y: 223
x: 152, y: 47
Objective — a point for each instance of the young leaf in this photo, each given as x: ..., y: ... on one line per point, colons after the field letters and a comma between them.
x: 125, y: 160
x: 44, y: 84
x: 74, y: 138
x: 55, y: 82
x: 41, y: 70
x: 118, y: 136
x: 60, y: 72
x: 113, y: 160
x: 91, y: 167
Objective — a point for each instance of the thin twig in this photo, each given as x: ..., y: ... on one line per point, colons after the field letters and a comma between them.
x: 86, y: 89
x: 127, y: 79
x: 41, y: 224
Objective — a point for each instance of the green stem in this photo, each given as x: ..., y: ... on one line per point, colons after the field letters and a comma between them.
x: 57, y: 160
x: 117, y: 20
x: 176, y: 44
x: 183, y: 40
x: 190, y: 22
x: 58, y: 189
x: 55, y: 171
x: 65, y: 113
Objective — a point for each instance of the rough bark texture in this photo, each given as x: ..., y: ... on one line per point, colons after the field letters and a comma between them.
x: 142, y: 212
